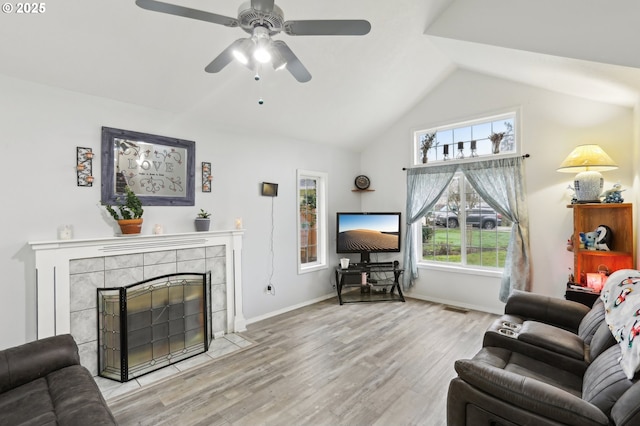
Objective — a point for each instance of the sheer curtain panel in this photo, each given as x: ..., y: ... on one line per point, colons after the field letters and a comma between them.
x: 425, y: 186
x: 501, y: 184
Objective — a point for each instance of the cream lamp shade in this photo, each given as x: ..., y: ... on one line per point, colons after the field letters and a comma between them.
x: 588, y: 161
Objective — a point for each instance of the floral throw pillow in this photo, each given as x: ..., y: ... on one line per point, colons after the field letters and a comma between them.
x: 621, y: 297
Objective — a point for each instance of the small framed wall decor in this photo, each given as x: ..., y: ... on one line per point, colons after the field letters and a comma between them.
x: 84, y: 166
x: 207, y: 177
x: 160, y: 170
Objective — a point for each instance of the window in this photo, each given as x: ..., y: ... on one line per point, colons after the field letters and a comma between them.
x: 312, y: 221
x: 480, y: 138
x: 462, y: 229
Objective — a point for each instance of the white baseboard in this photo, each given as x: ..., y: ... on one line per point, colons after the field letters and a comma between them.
x: 289, y: 308
x: 456, y: 304
x: 414, y: 296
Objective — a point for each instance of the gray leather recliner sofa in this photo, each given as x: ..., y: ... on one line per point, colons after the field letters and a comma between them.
x: 560, y: 367
x: 43, y: 383
x: 555, y: 331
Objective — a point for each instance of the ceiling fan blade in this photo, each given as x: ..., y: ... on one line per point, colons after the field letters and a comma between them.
x: 264, y: 6
x: 327, y: 27
x: 172, y: 9
x: 224, y: 58
x: 294, y: 65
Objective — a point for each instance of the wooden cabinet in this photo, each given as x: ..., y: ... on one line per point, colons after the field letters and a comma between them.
x: 618, y: 217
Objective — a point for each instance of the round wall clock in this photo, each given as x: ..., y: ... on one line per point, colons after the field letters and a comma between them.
x: 362, y: 182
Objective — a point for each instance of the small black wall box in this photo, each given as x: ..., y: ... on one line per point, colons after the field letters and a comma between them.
x: 269, y: 189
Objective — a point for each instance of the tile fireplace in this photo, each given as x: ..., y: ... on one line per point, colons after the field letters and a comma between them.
x: 68, y: 273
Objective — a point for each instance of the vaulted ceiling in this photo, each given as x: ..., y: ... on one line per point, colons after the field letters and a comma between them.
x: 360, y: 85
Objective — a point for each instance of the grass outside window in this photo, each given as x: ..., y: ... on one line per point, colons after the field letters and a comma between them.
x: 486, y: 248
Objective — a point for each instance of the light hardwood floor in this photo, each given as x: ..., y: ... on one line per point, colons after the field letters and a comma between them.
x: 325, y: 364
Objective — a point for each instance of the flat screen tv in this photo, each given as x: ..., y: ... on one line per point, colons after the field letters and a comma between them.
x: 367, y: 233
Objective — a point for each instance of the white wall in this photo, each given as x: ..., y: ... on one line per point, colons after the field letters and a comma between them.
x: 552, y: 125
x: 41, y: 127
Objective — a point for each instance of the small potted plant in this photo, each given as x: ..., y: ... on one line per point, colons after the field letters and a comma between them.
x: 128, y: 213
x: 426, y: 144
x: 203, y: 221
x: 496, y: 139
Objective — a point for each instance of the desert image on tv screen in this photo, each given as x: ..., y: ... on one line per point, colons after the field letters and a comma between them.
x: 368, y: 233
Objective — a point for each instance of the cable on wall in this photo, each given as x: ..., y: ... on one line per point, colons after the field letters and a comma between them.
x: 270, y: 189
x: 271, y: 289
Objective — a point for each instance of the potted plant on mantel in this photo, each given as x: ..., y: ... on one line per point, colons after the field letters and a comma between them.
x: 129, y: 213
x: 203, y: 221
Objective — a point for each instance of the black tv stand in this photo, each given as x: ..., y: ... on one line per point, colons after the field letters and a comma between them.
x: 374, y: 264
x: 376, y: 281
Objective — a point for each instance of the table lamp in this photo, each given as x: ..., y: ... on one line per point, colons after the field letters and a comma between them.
x: 588, y: 161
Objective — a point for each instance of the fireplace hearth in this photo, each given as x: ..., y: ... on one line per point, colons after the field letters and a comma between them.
x: 151, y: 324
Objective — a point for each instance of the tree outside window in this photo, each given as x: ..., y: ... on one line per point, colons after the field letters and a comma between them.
x: 312, y: 220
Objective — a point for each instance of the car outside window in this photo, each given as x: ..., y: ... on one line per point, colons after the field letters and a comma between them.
x: 464, y: 230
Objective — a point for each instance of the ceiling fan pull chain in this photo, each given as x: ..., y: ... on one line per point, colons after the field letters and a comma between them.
x: 259, y: 80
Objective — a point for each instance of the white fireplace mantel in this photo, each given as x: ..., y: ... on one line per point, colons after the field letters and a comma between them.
x: 52, y: 270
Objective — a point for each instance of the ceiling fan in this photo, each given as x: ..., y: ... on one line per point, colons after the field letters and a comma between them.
x: 262, y: 19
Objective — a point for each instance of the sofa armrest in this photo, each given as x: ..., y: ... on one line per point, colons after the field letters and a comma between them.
x: 530, y: 394
x: 25, y: 363
x: 562, y: 313
x: 626, y: 410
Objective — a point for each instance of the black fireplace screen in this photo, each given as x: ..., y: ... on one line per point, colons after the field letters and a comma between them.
x: 151, y: 324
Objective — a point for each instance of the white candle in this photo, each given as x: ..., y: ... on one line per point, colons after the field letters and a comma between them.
x: 65, y: 232
x: 238, y: 223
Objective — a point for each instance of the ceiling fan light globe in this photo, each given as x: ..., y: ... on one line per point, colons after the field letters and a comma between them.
x: 262, y: 55
x: 240, y: 57
x: 277, y: 61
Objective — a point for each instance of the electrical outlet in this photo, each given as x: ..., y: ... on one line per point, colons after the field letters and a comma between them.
x: 270, y: 289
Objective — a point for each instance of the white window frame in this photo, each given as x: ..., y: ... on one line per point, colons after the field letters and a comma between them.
x: 322, y: 180
x: 514, y: 113
x: 451, y: 266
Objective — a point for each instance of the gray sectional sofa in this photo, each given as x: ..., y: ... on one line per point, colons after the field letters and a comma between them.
x: 546, y: 362
x: 43, y: 383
